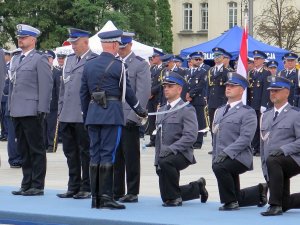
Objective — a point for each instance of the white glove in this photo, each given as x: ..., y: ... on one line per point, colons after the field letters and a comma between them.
x: 262, y: 109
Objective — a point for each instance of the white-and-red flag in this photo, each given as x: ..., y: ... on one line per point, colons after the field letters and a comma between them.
x: 242, y: 65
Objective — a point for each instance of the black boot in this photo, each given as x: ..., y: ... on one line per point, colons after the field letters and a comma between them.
x: 106, y: 186
x: 94, y: 179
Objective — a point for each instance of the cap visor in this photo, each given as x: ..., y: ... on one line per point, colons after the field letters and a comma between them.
x: 73, y: 39
x: 232, y: 83
x: 167, y: 82
x: 275, y: 88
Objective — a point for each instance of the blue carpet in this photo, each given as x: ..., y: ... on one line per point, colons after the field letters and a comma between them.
x: 50, y: 210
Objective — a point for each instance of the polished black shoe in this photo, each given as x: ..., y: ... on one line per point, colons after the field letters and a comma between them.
x: 202, y: 190
x: 82, y: 195
x: 68, y: 194
x: 151, y: 144
x: 230, y: 206
x: 173, y: 203
x: 273, y: 210
x: 210, y: 152
x: 50, y: 149
x: 197, y: 146
x: 109, y: 203
x: 117, y: 197
x: 33, y: 192
x: 15, y: 165
x: 129, y: 198
x: 3, y: 139
x: 18, y: 192
x: 263, y: 192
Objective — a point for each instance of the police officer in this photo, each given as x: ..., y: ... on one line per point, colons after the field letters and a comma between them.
x: 104, y: 88
x: 291, y: 73
x: 60, y: 60
x: 51, y: 118
x: 2, y: 71
x: 250, y: 64
x: 233, y: 129
x: 178, y: 61
x: 196, y: 92
x: 257, y: 93
x: 75, y: 137
x: 177, y: 131
x: 155, y: 92
x: 4, y: 125
x: 216, y: 79
x: 28, y: 102
x: 226, y: 61
x: 128, y: 153
x: 280, y: 148
x: 272, y: 67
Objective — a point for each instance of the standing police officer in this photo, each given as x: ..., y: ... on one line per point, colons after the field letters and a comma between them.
x: 291, y: 73
x: 272, y: 67
x: 280, y: 148
x: 104, y: 84
x: 177, y: 131
x: 216, y: 79
x: 257, y: 95
x: 233, y: 128
x: 75, y: 137
x: 196, y: 92
x: 128, y: 153
x: 28, y: 102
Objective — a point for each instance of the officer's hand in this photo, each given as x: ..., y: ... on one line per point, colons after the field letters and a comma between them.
x: 140, y: 111
x: 165, y: 153
x: 41, y: 116
x: 262, y: 109
x: 157, y: 170
x: 221, y: 157
x: 276, y: 152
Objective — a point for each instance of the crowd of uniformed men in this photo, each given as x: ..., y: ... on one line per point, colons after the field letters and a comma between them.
x: 95, y: 105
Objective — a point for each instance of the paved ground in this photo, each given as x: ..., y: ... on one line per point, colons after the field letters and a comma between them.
x: 57, y: 172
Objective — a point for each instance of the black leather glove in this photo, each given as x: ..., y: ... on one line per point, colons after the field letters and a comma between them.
x: 165, y: 153
x: 140, y: 111
x: 276, y: 152
x: 221, y: 157
x: 41, y: 116
x: 157, y: 170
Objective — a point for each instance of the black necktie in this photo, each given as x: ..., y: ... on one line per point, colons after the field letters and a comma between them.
x: 226, y: 109
x: 78, y: 59
x: 21, y: 58
x: 276, y: 114
x: 168, y: 106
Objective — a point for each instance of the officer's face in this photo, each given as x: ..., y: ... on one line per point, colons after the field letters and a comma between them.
x: 178, y: 64
x: 258, y: 62
x: 290, y: 64
x: 279, y: 96
x: 80, y: 46
x: 172, y: 91
x: 273, y: 70
x: 196, y: 62
x: 219, y: 59
x: 156, y: 60
x: 61, y: 61
x: 50, y: 60
x: 26, y: 42
x: 250, y: 66
x: 234, y: 92
x: 123, y: 52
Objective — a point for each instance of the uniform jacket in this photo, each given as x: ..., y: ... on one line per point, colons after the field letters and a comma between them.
x: 233, y: 133
x: 257, y: 94
x: 140, y: 81
x: 155, y: 83
x: 3, y: 71
x: 6, y: 85
x: 177, y: 131
x: 69, y: 105
x: 32, y: 84
x: 57, y: 76
x: 283, y: 133
x: 197, y: 84
x: 216, y: 87
x: 293, y: 77
x: 96, y: 76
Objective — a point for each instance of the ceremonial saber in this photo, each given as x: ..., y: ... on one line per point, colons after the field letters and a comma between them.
x: 56, y: 136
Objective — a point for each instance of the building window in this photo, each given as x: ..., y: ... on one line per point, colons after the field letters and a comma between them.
x: 232, y: 14
x: 187, y: 16
x: 204, y: 16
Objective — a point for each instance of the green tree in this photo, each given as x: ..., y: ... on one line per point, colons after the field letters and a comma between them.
x: 164, y: 24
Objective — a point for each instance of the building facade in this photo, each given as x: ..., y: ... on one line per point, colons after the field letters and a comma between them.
x: 198, y: 21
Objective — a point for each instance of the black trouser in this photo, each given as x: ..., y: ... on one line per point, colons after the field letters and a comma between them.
x: 76, y: 149
x: 201, y: 122
x: 49, y: 129
x: 256, y: 139
x: 227, y: 174
x: 128, y: 159
x: 152, y: 107
x: 169, y: 175
x: 211, y: 114
x: 29, y: 132
x: 280, y: 170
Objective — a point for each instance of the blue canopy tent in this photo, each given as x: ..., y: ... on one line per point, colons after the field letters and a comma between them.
x: 231, y: 41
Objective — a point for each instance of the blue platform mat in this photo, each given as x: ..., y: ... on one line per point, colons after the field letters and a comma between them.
x: 51, y: 210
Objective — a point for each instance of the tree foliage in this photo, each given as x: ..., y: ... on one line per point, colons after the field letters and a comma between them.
x: 53, y: 17
x: 279, y: 24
